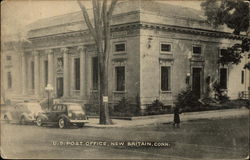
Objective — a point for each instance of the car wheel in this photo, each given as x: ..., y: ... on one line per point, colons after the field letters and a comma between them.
x: 39, y: 122
x: 80, y: 125
x: 6, y: 119
x: 62, y: 123
x: 22, y: 121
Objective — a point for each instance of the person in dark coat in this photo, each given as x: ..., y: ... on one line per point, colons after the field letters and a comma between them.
x: 177, y: 120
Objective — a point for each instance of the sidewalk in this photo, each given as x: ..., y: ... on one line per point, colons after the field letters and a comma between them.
x: 168, y: 118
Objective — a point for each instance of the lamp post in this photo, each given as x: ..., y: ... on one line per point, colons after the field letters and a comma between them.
x: 49, y: 89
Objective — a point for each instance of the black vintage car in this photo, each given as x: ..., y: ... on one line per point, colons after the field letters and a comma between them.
x: 63, y: 115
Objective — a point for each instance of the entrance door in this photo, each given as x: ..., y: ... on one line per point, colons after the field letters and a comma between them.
x: 196, y: 82
x: 59, y: 83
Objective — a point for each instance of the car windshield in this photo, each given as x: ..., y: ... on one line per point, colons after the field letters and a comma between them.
x: 75, y: 108
x: 34, y: 107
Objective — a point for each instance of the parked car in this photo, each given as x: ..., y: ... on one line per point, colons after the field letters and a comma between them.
x: 63, y: 115
x: 22, y: 113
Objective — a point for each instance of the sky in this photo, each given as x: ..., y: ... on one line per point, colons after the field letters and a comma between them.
x: 16, y: 14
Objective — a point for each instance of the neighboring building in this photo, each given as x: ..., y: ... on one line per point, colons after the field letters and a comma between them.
x: 239, y: 80
x: 10, y: 67
x: 157, y: 50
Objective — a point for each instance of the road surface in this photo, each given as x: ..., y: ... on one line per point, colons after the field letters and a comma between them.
x: 204, y: 139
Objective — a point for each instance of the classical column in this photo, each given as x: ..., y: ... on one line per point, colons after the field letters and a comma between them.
x: 83, y: 80
x: 24, y: 91
x: 37, y: 73
x: 65, y: 72
x: 50, y: 67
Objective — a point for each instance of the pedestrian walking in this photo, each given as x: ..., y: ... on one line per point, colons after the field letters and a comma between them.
x: 177, y: 120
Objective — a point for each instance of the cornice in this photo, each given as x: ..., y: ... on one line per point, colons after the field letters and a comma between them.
x: 146, y: 25
x: 187, y: 30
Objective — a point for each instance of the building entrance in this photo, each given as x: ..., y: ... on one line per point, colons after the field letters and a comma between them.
x: 59, y: 87
x: 196, y: 81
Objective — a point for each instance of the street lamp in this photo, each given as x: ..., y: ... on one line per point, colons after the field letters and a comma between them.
x: 49, y: 89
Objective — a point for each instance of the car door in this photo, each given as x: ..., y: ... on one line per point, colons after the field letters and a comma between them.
x: 59, y: 111
x: 14, y: 112
x: 54, y: 113
x: 19, y: 112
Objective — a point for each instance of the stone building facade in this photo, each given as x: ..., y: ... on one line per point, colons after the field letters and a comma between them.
x: 157, y: 51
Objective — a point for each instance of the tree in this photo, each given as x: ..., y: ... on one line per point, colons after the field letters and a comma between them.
x: 100, y: 31
x: 235, y: 15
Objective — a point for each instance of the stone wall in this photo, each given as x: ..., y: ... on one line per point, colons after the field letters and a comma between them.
x: 180, y: 59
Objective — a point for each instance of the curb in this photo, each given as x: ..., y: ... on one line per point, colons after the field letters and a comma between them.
x: 169, y: 120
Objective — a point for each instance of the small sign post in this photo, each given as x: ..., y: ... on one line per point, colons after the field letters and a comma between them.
x: 105, y: 99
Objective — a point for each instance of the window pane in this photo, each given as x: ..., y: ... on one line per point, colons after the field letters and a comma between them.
x: 165, y: 78
x: 166, y: 47
x: 196, y: 50
x: 95, y: 73
x: 120, y: 78
x: 223, y: 78
x: 120, y: 47
x: 77, y: 74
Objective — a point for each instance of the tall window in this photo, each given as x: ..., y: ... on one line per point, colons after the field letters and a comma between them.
x: 46, y: 72
x: 9, y: 80
x: 165, y: 78
x: 196, y: 49
x: 77, y: 73
x: 95, y: 73
x: 223, y: 78
x: 120, y: 78
x: 32, y: 75
x: 242, y: 77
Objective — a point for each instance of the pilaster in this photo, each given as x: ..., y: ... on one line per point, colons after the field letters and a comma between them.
x: 37, y: 73
x: 66, y: 84
x: 83, y: 79
x: 24, y: 78
x: 50, y: 67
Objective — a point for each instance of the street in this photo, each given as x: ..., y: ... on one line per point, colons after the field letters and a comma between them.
x: 202, y: 139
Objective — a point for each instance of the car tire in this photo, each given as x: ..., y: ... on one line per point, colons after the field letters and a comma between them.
x: 6, y: 119
x: 62, y: 123
x: 22, y: 121
x: 39, y: 122
x: 80, y: 125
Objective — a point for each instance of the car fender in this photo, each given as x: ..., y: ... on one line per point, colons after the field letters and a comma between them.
x: 26, y: 116
x: 64, y: 116
x: 8, y: 114
x: 43, y: 116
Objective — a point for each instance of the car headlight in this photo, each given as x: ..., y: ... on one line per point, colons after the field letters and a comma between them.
x: 70, y: 114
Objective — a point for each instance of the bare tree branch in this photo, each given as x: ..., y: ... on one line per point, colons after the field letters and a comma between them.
x: 95, y: 10
x: 87, y: 20
x: 111, y: 8
x: 101, y: 34
x: 104, y: 9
